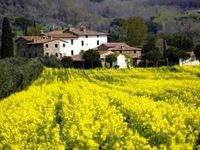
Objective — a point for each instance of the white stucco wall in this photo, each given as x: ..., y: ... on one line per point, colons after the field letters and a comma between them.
x: 90, y: 42
x: 121, y: 61
x: 189, y: 62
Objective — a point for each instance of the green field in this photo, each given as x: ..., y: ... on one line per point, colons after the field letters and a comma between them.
x: 105, y: 109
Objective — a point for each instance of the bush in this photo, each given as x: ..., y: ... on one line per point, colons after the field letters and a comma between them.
x: 92, y: 58
x: 67, y: 62
x: 111, y: 59
x: 173, y: 54
x: 17, y: 73
x: 50, y: 61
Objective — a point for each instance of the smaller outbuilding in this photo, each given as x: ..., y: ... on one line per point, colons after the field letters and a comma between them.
x: 191, y: 61
x: 120, y: 62
x: 134, y: 54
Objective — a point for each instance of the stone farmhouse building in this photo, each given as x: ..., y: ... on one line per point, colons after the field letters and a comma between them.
x: 72, y: 41
x: 60, y: 43
x: 123, y: 53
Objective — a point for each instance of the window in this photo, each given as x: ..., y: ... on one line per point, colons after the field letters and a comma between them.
x: 64, y: 54
x: 134, y: 52
x: 120, y: 51
x: 60, y: 54
x: 72, y: 42
x: 82, y: 43
x: 97, y: 35
x: 24, y: 53
x: 56, y: 54
x: 47, y: 54
x: 47, y: 45
x: 18, y: 45
x: 29, y: 55
x: 86, y: 36
x: 98, y: 42
x: 72, y: 52
x: 63, y: 45
x: 35, y: 54
x: 56, y: 45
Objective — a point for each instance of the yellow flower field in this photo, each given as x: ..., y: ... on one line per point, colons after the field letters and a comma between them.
x: 131, y: 109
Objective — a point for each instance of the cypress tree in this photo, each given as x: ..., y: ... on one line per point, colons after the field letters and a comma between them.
x: 7, y: 47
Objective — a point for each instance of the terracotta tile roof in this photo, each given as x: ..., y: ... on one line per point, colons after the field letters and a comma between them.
x: 42, y: 41
x: 120, y: 47
x: 83, y: 31
x: 60, y: 34
x: 115, y: 44
x: 104, y: 52
x: 77, y: 58
x: 72, y: 32
x: 35, y: 39
x: 30, y: 38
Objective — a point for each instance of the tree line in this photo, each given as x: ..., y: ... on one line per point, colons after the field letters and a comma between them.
x: 133, y: 31
x: 155, y: 46
x: 98, y: 14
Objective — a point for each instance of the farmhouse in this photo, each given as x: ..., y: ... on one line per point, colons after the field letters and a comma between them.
x: 123, y: 53
x: 71, y: 42
x: 59, y: 43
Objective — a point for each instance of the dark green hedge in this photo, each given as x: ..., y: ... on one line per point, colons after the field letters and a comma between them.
x: 17, y: 73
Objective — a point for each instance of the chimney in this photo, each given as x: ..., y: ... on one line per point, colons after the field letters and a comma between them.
x: 41, y: 32
x: 69, y: 27
x: 33, y: 40
x: 83, y: 28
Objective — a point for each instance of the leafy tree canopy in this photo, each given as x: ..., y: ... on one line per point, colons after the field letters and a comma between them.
x: 173, y: 54
x: 35, y: 30
x: 111, y: 58
x: 180, y: 40
x: 154, y: 55
x: 91, y: 56
x: 134, y: 31
x: 7, y: 46
x: 23, y: 23
x: 150, y: 45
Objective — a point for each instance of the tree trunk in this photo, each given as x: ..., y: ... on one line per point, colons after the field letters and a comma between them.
x: 110, y: 64
x: 156, y: 63
x: 83, y: 64
x: 26, y: 31
x: 92, y: 65
x: 145, y: 62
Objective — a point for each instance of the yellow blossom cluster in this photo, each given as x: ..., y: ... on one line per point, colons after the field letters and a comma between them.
x: 139, y: 109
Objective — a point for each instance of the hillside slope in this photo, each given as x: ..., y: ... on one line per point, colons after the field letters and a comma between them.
x: 105, y: 109
x: 97, y: 14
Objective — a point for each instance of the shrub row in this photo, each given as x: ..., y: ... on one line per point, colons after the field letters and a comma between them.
x: 67, y: 62
x: 17, y: 73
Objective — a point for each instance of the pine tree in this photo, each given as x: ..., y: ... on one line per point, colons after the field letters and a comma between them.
x: 7, y: 47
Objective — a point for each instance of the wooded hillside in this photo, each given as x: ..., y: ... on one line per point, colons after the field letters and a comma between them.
x: 98, y: 14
